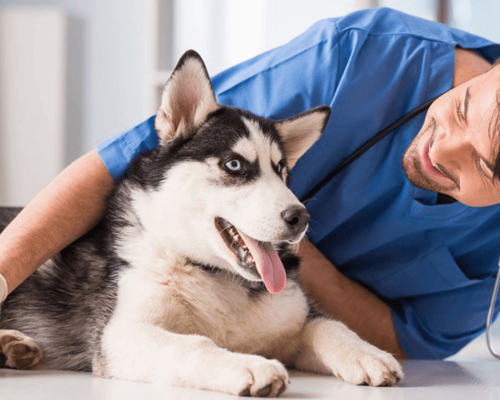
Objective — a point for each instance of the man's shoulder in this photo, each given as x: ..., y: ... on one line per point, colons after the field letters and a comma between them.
x: 389, y: 22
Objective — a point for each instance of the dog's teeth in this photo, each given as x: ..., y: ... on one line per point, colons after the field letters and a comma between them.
x: 240, y: 241
x: 239, y: 245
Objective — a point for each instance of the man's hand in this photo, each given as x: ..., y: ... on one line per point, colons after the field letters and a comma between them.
x: 346, y: 300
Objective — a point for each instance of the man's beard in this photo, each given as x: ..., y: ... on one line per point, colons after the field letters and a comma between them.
x: 412, y: 165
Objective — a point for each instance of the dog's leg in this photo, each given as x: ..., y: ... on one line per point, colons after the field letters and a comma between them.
x: 143, y: 352
x: 20, y: 351
x: 329, y: 347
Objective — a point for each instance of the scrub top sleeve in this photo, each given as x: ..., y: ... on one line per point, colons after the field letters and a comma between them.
x: 118, y: 151
x: 438, y: 325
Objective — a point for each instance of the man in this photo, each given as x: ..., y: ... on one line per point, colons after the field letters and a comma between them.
x: 410, y: 270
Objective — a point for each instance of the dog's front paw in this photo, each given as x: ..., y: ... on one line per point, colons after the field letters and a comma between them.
x: 259, y: 377
x: 369, y: 365
x: 20, y: 351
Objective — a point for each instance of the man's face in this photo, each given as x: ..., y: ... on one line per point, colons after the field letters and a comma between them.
x: 456, y: 148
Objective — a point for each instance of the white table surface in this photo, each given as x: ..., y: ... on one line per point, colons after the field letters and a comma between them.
x: 472, y: 374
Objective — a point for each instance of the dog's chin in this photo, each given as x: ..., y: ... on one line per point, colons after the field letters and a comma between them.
x: 249, y: 275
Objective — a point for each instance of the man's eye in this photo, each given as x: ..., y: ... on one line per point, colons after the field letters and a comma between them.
x: 463, y: 106
x: 460, y: 112
x: 483, y: 168
x: 233, y: 165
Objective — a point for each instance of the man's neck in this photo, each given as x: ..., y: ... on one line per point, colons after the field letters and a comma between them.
x: 468, y: 65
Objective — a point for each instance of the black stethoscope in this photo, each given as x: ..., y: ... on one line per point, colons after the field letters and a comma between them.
x: 358, y: 153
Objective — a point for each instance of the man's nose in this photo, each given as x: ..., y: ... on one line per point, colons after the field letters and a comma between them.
x: 449, y: 147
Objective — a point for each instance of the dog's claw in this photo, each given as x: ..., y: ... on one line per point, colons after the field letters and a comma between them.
x: 245, y: 393
x: 265, y: 391
x: 259, y: 377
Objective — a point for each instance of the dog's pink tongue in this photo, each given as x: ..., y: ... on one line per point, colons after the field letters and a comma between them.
x: 268, y: 264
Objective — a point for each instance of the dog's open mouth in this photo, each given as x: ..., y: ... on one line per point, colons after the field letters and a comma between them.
x: 258, y: 258
x: 236, y: 244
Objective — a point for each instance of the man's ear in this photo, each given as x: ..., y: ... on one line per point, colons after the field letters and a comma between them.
x: 187, y: 99
x: 299, y: 133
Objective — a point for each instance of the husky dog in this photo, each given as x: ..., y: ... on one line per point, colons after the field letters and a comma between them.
x: 182, y: 282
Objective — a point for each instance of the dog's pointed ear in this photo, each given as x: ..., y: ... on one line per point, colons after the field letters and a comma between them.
x: 300, y: 132
x: 187, y: 99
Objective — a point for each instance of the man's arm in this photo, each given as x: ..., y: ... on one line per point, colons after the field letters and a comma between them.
x: 62, y: 212
x: 347, y: 301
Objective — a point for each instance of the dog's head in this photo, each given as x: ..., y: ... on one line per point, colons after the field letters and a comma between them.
x: 217, y: 185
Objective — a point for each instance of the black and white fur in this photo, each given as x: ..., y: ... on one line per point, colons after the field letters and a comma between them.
x: 155, y: 294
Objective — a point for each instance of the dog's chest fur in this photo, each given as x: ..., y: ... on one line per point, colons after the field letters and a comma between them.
x: 187, y: 299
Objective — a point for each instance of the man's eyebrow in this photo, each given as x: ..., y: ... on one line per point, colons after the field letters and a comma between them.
x: 467, y: 98
x: 494, y: 133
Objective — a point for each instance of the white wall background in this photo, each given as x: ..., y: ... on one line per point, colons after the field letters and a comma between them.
x: 32, y: 100
x: 479, y: 17
x: 107, y: 66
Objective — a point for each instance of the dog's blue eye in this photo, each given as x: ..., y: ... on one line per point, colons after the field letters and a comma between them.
x: 233, y: 165
x: 279, y: 167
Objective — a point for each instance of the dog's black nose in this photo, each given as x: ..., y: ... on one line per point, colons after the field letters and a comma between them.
x: 296, y: 218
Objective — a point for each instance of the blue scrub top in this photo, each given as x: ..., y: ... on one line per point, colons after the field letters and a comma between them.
x: 433, y: 264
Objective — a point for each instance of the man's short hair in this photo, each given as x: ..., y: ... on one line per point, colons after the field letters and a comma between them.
x: 494, y: 129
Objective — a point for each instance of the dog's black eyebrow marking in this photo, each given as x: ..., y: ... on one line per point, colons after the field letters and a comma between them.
x: 267, y: 126
x: 249, y: 173
x: 215, y: 136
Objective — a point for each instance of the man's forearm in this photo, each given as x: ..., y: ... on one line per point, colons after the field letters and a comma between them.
x: 67, y: 208
x: 347, y: 301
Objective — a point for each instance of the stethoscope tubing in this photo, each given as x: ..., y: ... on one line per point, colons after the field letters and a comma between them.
x: 358, y: 153
x: 490, y: 315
